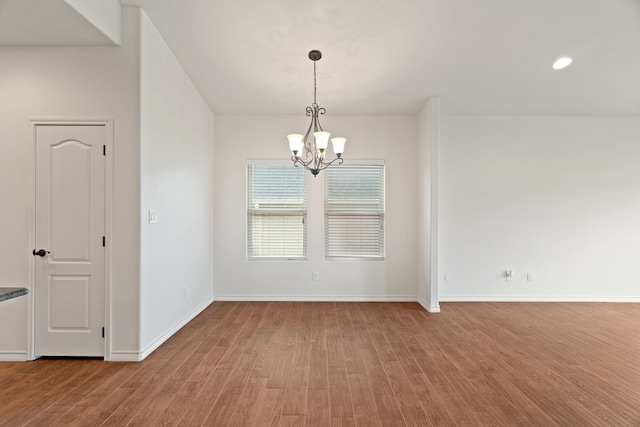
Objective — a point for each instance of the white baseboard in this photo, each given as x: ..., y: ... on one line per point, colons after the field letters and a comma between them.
x: 431, y: 308
x: 13, y: 356
x: 320, y: 298
x: 125, y: 356
x: 133, y: 356
x: 511, y: 298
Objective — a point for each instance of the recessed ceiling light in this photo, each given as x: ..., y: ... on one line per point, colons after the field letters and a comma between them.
x: 561, y: 63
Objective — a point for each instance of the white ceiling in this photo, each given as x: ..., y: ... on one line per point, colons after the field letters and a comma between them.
x: 46, y: 23
x: 389, y: 56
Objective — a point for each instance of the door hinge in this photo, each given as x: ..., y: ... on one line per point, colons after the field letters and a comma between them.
x: 103, y: 332
x: 104, y: 150
x: 104, y: 241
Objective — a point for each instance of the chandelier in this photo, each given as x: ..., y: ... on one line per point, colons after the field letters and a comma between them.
x: 311, y: 152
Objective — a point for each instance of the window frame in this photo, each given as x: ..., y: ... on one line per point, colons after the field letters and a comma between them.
x: 303, y: 211
x: 381, y: 215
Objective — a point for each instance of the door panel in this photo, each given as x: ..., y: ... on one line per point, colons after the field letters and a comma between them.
x: 69, y: 304
x: 70, y: 186
x: 70, y: 215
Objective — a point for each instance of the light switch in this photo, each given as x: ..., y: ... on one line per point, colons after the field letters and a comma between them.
x: 153, y: 217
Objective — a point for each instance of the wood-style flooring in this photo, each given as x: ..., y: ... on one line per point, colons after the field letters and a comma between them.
x: 354, y: 364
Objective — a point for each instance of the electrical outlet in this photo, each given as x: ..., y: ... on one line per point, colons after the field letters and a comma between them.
x: 448, y: 277
x: 529, y: 277
x: 153, y: 217
x: 509, y: 275
x: 315, y: 276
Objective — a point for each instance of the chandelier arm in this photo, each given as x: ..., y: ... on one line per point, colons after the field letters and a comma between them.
x: 317, y: 166
x: 307, y: 162
x: 298, y: 161
x: 319, y: 112
x: 308, y: 146
x: 314, y: 117
x: 340, y: 161
x: 314, y: 170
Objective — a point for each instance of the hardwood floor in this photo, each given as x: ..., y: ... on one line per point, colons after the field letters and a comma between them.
x: 354, y: 364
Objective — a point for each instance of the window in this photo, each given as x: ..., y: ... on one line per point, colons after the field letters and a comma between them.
x: 354, y: 212
x: 276, y: 211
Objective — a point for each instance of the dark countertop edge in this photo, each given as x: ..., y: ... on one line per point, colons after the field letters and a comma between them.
x: 9, y: 293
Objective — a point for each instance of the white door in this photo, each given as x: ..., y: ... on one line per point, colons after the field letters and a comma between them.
x: 69, y: 228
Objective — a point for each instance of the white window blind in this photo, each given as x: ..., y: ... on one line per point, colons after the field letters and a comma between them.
x: 354, y: 212
x: 276, y: 211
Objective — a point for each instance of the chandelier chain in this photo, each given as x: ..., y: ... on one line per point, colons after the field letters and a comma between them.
x: 314, y: 83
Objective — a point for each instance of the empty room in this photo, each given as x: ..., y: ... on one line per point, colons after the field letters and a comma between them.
x: 319, y: 213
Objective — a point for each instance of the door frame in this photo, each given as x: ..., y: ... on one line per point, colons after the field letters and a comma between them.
x: 108, y: 194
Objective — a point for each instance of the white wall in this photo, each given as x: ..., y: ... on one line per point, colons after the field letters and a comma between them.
x: 427, y: 162
x: 177, y: 182
x: 558, y: 197
x: 68, y: 83
x: 391, y: 138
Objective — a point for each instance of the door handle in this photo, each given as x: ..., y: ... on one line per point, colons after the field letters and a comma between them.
x: 41, y: 252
